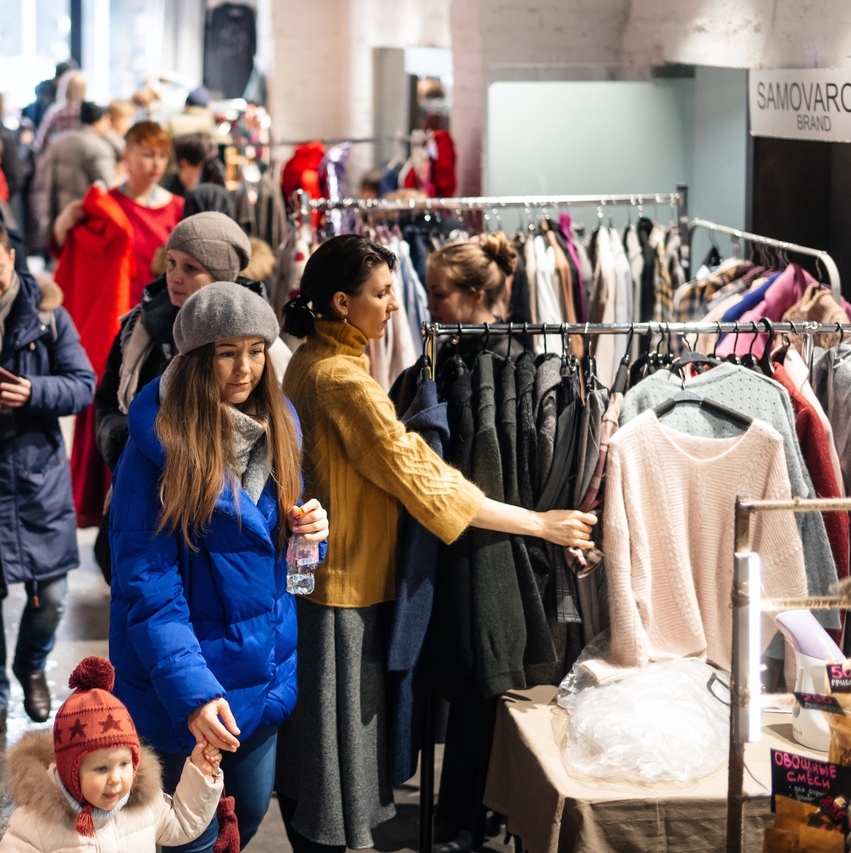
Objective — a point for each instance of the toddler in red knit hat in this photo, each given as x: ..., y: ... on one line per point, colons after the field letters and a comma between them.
x: 92, y: 784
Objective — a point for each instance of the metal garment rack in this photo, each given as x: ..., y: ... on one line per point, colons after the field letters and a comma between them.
x: 432, y: 331
x: 678, y: 199
x: 781, y: 245
x: 742, y: 599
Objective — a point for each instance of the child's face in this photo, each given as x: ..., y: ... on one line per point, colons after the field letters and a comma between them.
x: 106, y: 776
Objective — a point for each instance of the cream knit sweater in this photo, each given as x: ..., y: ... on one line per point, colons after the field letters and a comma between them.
x: 669, y: 536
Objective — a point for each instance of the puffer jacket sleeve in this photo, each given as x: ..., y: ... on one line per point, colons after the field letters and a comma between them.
x: 147, y: 582
x: 188, y: 813
x: 71, y: 384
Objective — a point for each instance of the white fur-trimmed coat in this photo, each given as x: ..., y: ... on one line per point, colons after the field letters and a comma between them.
x: 43, y: 820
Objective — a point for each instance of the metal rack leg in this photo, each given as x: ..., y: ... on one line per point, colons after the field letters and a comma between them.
x: 427, y: 778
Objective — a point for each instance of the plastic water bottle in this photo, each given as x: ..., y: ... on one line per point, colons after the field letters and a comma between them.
x: 302, y: 557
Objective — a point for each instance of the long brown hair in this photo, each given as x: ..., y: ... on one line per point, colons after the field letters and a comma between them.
x: 196, y: 431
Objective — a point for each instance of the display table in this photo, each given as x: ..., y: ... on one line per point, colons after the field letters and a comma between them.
x: 551, y: 811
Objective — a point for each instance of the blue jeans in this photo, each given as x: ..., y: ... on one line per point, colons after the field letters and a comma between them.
x: 249, y: 776
x: 37, y: 633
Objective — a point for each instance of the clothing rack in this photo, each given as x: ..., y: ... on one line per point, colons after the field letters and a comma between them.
x: 677, y: 199
x: 432, y: 331
x: 782, y: 245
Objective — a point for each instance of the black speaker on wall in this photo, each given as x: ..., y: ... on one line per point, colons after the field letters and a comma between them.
x: 230, y: 42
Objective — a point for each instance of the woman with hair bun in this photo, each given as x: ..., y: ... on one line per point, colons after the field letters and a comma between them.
x: 466, y: 283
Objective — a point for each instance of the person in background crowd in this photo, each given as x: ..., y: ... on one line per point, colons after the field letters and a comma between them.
x: 121, y: 115
x: 334, y: 779
x: 191, y: 153
x: 74, y: 161
x: 202, y: 628
x: 151, y: 210
x: 90, y: 782
x: 45, y: 94
x: 466, y: 283
x: 64, y: 113
x: 46, y: 375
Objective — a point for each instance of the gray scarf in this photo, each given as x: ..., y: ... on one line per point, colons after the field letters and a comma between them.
x: 7, y: 300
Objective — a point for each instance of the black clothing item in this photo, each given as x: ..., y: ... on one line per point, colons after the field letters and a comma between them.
x: 648, y: 271
x: 230, y: 42
x: 208, y: 196
x: 448, y: 650
x: 11, y: 163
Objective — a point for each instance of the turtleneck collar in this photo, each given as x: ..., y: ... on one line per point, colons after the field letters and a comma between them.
x: 342, y: 336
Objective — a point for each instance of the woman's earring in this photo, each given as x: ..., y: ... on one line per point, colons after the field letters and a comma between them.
x: 345, y: 319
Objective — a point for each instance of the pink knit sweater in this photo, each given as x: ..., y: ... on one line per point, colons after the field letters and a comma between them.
x: 669, y: 536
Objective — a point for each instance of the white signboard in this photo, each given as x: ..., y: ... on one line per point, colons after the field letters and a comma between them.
x: 812, y: 103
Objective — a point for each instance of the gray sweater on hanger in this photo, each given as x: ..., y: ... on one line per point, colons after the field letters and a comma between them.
x: 756, y: 396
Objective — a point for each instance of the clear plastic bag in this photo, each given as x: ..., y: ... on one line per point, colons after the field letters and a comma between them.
x: 667, y: 722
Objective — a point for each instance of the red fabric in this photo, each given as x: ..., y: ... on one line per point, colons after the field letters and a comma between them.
x: 815, y: 448
x: 301, y: 172
x: 151, y: 227
x: 228, y: 840
x: 443, y: 167
x: 89, y: 475
x: 94, y: 272
x: 4, y: 187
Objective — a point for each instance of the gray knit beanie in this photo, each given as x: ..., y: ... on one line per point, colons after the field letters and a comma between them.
x: 223, y: 310
x: 215, y: 241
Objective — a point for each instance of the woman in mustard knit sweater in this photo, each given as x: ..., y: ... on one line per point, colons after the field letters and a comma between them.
x: 360, y: 463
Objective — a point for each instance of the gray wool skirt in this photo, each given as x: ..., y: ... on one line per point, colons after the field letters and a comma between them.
x: 334, y: 752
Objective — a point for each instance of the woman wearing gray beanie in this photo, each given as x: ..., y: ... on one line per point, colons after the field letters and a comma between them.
x: 202, y: 628
x: 201, y: 249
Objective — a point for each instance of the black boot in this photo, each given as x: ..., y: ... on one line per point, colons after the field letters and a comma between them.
x: 36, y: 695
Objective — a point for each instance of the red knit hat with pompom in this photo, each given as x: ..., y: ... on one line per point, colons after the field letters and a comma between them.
x: 90, y: 718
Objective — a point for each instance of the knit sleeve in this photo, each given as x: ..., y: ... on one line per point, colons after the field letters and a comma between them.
x: 399, y: 462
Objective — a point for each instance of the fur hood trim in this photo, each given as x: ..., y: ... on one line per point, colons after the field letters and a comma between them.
x: 51, y: 293
x: 30, y: 783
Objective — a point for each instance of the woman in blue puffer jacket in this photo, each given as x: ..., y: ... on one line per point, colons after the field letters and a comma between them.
x: 202, y: 628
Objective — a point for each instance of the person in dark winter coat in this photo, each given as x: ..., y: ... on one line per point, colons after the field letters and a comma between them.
x: 202, y: 628
x: 49, y: 376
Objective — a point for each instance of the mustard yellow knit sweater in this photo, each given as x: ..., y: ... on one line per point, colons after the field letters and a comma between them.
x: 363, y: 466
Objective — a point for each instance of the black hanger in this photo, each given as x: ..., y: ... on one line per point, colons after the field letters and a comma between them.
x: 749, y: 360
x: 706, y: 403
x: 765, y: 362
x: 733, y: 356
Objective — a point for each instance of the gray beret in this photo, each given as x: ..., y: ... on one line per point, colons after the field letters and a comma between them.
x: 215, y: 241
x: 223, y: 310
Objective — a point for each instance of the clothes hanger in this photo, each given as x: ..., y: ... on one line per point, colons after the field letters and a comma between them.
x: 707, y: 404
x: 749, y: 360
x: 692, y: 356
x: 733, y: 357
x: 765, y: 363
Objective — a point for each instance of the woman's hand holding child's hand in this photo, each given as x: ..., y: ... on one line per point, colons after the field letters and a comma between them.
x: 206, y: 758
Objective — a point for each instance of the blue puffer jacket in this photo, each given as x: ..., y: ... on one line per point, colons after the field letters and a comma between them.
x: 38, y: 527
x: 189, y: 626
